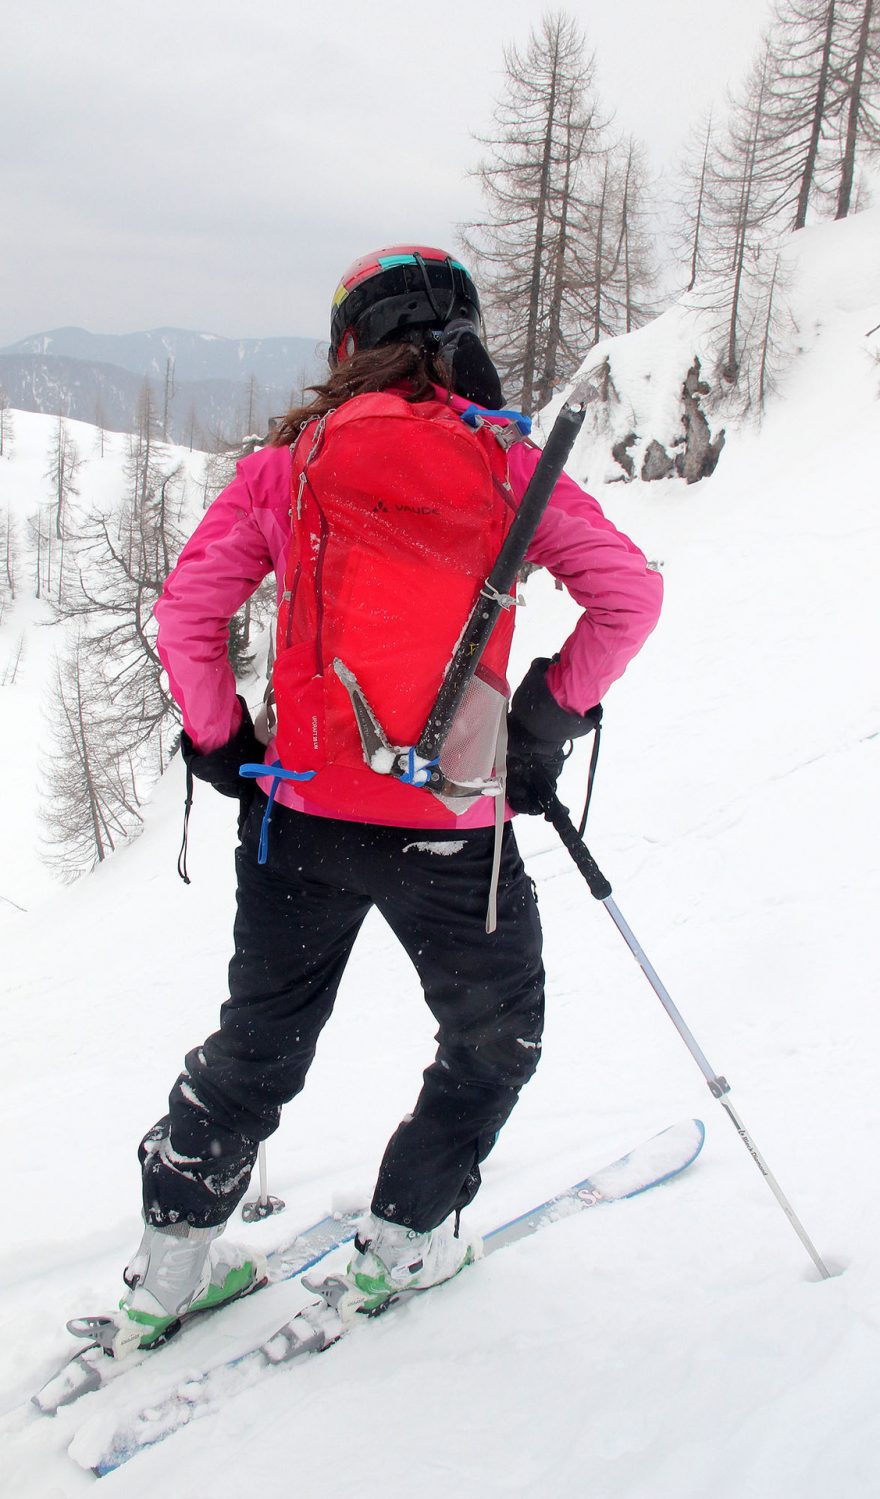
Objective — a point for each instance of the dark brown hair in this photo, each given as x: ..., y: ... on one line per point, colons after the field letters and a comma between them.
x: 413, y: 367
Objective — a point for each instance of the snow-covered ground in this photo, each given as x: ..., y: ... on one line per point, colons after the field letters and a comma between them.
x: 667, y: 1348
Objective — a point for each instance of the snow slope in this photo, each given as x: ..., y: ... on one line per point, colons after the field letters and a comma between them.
x: 666, y: 1348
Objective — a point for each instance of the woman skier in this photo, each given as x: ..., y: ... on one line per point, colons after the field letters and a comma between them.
x: 380, y: 510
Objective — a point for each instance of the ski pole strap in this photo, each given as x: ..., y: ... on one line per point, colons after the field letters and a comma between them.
x: 590, y: 777
x: 278, y: 774
x: 187, y: 808
x: 557, y: 815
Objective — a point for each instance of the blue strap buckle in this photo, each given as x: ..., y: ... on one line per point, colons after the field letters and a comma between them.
x: 474, y: 414
x: 418, y: 775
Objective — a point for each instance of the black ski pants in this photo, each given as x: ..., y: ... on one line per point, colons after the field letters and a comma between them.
x: 297, y: 920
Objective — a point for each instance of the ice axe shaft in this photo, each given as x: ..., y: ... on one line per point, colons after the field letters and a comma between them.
x: 557, y: 815
x: 419, y: 764
x: 495, y: 592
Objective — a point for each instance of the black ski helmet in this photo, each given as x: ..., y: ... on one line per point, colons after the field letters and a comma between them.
x: 395, y: 293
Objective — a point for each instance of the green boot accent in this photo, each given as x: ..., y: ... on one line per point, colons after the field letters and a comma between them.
x: 237, y: 1282
x: 155, y: 1328
x: 377, y: 1289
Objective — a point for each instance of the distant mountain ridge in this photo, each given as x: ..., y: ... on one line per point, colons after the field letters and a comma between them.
x: 197, y: 356
x: 217, y: 387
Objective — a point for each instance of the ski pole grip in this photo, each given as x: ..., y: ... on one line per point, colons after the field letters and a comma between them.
x: 557, y: 814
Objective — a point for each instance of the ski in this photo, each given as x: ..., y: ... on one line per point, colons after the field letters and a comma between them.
x: 90, y: 1369
x: 318, y: 1326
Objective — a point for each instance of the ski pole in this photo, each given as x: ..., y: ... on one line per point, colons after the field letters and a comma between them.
x: 557, y: 815
x: 265, y: 1205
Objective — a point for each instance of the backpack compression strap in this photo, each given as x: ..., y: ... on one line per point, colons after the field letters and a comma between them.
x: 278, y: 773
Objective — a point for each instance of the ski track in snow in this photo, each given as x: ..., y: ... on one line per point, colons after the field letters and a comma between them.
x: 674, y: 1346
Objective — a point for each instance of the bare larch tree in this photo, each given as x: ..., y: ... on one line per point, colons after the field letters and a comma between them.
x: 64, y: 465
x: 860, y: 24
x: 90, y: 801
x: 548, y: 128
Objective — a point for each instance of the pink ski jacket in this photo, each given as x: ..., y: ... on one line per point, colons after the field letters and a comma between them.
x: 245, y: 534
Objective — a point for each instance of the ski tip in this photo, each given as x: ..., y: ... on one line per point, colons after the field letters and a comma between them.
x: 699, y: 1130
x: 689, y: 1134
x: 658, y: 1160
x: 684, y: 1131
x: 687, y: 1137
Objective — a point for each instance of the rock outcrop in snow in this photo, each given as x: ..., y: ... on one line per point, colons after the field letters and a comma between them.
x: 664, y: 408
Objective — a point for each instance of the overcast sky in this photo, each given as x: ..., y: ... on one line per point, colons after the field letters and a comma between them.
x: 216, y: 165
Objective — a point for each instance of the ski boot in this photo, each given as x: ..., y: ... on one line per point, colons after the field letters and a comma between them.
x: 176, y: 1273
x: 390, y: 1259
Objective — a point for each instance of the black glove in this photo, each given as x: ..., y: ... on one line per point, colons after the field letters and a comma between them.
x: 537, y: 731
x: 474, y: 376
x: 220, y: 767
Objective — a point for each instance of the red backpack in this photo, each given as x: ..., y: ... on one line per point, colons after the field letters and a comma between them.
x: 398, y: 511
